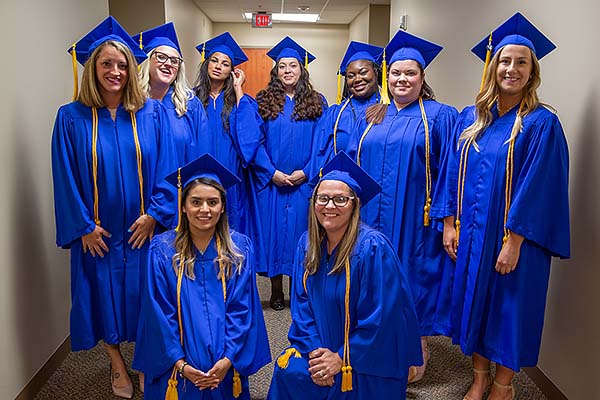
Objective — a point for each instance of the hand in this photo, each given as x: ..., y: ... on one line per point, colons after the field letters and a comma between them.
x: 509, y: 255
x: 202, y: 380
x: 323, y: 365
x: 297, y: 177
x: 281, y: 179
x: 449, y: 238
x: 94, y: 243
x: 238, y: 77
x: 219, y: 370
x: 142, y: 229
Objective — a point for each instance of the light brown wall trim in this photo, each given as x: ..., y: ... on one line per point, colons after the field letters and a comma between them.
x: 546, y: 385
x: 39, y: 380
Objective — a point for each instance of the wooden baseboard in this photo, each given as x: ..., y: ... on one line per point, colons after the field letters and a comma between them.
x: 545, y: 384
x: 39, y: 380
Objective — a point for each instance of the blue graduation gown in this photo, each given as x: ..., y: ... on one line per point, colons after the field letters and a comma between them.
x: 393, y: 153
x: 105, y: 291
x: 384, y: 339
x: 286, y: 146
x: 191, y: 129
x: 347, y: 114
x: 501, y: 316
x: 212, y: 328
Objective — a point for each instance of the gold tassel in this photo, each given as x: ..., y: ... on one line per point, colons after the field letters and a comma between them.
x: 284, y: 359
x: 138, y: 155
x: 385, y: 97
x: 427, y: 206
x: 347, y: 379
x: 179, y: 194
x: 237, y: 384
x: 202, y: 56
x: 306, y: 60
x: 457, y: 224
x: 75, y: 78
x: 95, y: 163
x: 172, y: 387
x: 488, y: 56
x: 426, y: 210
x: 141, y: 45
x: 338, y: 98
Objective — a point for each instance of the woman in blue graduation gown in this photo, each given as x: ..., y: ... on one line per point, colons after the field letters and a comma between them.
x: 206, y: 331
x: 290, y: 108
x: 402, y: 148
x: 110, y: 150
x: 162, y: 77
x: 336, y: 129
x: 233, y: 124
x: 512, y: 215
x: 350, y: 338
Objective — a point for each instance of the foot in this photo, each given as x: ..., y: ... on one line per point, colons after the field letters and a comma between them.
x: 121, y: 384
x: 502, y: 392
x: 415, y: 373
x: 142, y: 378
x: 277, y: 304
x: 482, y: 380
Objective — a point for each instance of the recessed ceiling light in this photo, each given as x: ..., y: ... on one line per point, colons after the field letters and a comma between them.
x: 303, y: 8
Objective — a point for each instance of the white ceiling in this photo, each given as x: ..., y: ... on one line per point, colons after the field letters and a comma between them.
x: 331, y: 11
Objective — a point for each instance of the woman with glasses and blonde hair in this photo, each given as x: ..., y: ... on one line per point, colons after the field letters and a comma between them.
x: 111, y: 149
x: 201, y: 306
x: 354, y: 329
x: 162, y: 77
x: 510, y: 181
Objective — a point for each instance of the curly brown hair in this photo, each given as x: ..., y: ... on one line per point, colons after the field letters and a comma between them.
x: 309, y: 103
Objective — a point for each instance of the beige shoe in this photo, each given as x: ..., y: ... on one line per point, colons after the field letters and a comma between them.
x: 125, y: 392
x: 490, y: 379
x: 507, y: 387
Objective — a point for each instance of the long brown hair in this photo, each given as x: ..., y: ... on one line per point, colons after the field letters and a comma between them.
x: 489, y: 94
x: 316, y: 235
x: 89, y: 95
x: 202, y: 90
x: 308, y: 102
x: 227, y: 252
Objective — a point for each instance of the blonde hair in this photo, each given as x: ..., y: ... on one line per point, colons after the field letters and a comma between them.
x: 316, y: 234
x: 89, y: 95
x: 227, y: 252
x: 489, y: 94
x: 182, y: 92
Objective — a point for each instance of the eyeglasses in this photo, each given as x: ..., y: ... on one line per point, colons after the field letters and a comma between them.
x: 162, y: 58
x: 338, y: 201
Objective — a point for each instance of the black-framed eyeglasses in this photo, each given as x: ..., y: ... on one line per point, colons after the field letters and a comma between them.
x: 162, y: 58
x: 338, y: 201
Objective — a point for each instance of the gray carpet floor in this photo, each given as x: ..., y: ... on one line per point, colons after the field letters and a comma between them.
x: 85, y: 375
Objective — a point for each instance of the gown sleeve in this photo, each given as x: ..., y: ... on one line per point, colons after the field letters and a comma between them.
x: 163, y: 203
x: 246, y: 343
x: 310, y: 165
x: 263, y: 166
x: 247, y: 124
x: 323, y: 143
x: 162, y: 348
x: 303, y: 334
x: 73, y: 220
x: 384, y: 340
x: 540, y: 207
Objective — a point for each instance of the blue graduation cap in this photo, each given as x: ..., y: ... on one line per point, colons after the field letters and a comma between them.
x: 343, y: 168
x: 516, y: 30
x: 287, y: 47
x: 404, y: 46
x: 360, y: 51
x: 205, y: 166
x: 226, y: 44
x: 109, y: 29
x: 162, y: 35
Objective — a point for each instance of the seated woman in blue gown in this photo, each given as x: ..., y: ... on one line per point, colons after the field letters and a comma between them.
x: 111, y: 149
x: 360, y: 70
x: 350, y: 338
x: 162, y: 77
x: 205, y: 329
x: 510, y: 179
x: 402, y: 147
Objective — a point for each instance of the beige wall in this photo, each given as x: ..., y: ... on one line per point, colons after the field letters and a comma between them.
x: 379, y: 24
x: 138, y: 15
x: 34, y: 289
x: 359, y: 27
x: 327, y: 42
x: 571, y: 83
x: 193, y: 27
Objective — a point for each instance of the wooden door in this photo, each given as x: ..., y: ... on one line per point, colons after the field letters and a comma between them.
x: 257, y: 70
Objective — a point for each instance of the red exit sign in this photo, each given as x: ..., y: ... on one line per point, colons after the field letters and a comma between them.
x: 262, y: 20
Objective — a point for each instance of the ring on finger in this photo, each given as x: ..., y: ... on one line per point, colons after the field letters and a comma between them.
x: 320, y: 373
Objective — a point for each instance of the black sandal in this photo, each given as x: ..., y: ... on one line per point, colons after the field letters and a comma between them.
x: 277, y: 304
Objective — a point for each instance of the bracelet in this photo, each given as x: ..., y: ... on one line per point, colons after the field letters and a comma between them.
x: 181, y: 367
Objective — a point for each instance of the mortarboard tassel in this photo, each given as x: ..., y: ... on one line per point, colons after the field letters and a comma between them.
x: 488, y: 55
x: 284, y: 359
x: 338, y: 98
x: 202, y: 56
x: 237, y: 384
x: 179, y: 194
x: 75, y: 78
x: 385, y: 97
x: 306, y: 60
x: 141, y: 44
